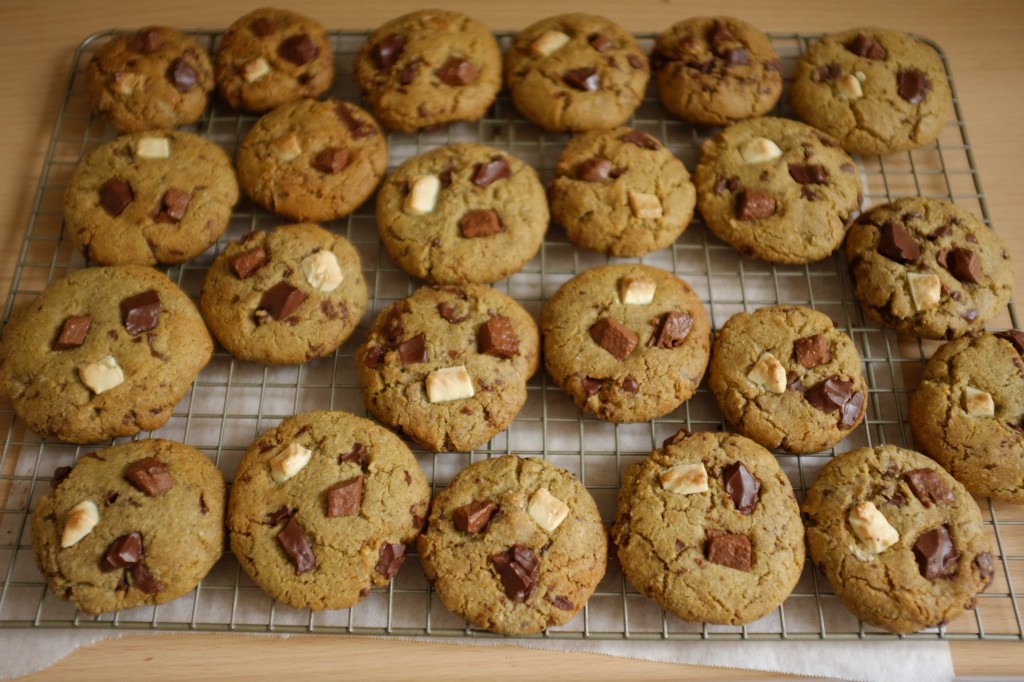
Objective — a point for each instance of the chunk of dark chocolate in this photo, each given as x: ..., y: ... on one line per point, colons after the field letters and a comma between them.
x: 965, y: 265
x: 482, y: 222
x: 614, y: 337
x: 808, y: 173
x: 457, y: 72
x: 896, y: 244
x: 586, y: 79
x: 1015, y: 337
x: 295, y: 544
x: 754, y: 204
x: 640, y: 139
x: 742, y: 487
x: 150, y: 475
x: 390, y: 559
x: 485, y: 174
x: 345, y: 497
x: 115, y: 195
x: 473, y: 517
x: 281, y: 300
x: 518, y: 568
x: 913, y: 85
x: 387, y: 51
x: 595, y: 169
x: 864, y: 45
x: 143, y: 580
x: 182, y: 75
x: 73, y: 332
x: 248, y: 262
x: 732, y: 551
x: 125, y: 550
x: 927, y: 486
x: 936, y: 556
x: 600, y: 42
x: 498, y: 337
x: 672, y: 330
x: 298, y: 50
x: 413, y: 350
x: 141, y: 312
x: 331, y: 160
x: 812, y: 351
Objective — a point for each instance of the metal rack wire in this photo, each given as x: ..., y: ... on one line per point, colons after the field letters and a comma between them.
x: 233, y: 402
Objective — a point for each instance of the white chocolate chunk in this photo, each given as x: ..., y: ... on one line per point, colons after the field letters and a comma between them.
x: 685, y: 479
x: 152, y: 148
x: 255, y: 70
x: 547, y: 510
x: 848, y: 86
x: 449, y: 383
x: 103, y: 375
x: 925, y: 290
x: 80, y: 521
x: 636, y: 290
x: 288, y: 462
x: 768, y: 373
x: 322, y: 270
x: 125, y: 82
x: 423, y: 193
x: 759, y: 150
x: 548, y: 42
x: 978, y: 403
x: 872, y: 528
x: 645, y: 205
x: 287, y: 146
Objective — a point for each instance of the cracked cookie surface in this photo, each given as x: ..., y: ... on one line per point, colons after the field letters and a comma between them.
x: 559, y: 566
x: 338, y: 525
x: 940, y: 557
x: 729, y: 548
x: 876, y: 90
x: 968, y: 413
x: 178, y: 512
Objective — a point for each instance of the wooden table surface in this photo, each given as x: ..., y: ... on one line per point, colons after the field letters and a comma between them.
x: 981, y: 39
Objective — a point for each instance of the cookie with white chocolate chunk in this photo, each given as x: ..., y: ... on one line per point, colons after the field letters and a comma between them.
x: 899, y: 539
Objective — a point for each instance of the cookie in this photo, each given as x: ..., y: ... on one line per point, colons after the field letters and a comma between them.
x: 312, y: 161
x: 322, y: 508
x: 708, y: 527
x: 787, y: 378
x: 448, y: 366
x: 463, y: 213
x: 133, y: 524
x: 272, y: 56
x: 286, y: 296
x: 621, y: 192
x: 628, y: 343
x: 104, y: 352
x: 149, y: 198
x: 968, y: 413
x: 155, y: 78
x: 576, y: 72
x: 716, y: 70
x: 900, y: 541
x: 777, y: 190
x: 429, y: 68
x: 928, y: 268
x: 514, y: 545
x: 876, y: 90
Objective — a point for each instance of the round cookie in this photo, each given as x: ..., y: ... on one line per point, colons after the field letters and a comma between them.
x: 900, y: 541
x: 576, y: 72
x: 777, y: 190
x: 150, y: 198
x: 716, y: 70
x: 929, y: 268
x: 271, y: 56
x: 514, y: 545
x: 787, y: 378
x: 448, y: 366
x: 429, y: 68
x: 968, y: 413
x: 133, y: 524
x: 628, y: 343
x: 155, y: 78
x: 876, y: 90
x: 462, y: 213
x: 708, y: 527
x: 286, y: 296
x: 322, y: 508
x: 312, y: 160
x: 104, y: 352
x: 621, y: 192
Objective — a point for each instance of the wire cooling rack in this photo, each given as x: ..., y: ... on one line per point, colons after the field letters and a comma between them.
x: 233, y: 402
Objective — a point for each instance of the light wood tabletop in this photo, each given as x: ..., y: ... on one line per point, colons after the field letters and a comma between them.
x: 981, y: 39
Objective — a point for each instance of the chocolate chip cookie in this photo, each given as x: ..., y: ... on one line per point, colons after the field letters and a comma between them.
x: 462, y: 213
x: 102, y: 353
x: 322, y: 508
x: 628, y: 343
x: 777, y: 190
x: 968, y: 413
x: 133, y: 524
x: 901, y: 542
x: 149, y: 198
x: 787, y: 378
x: 514, y: 545
x: 621, y: 192
x: 271, y: 56
x: 708, y: 527
x: 312, y: 160
x: 448, y: 366
x: 929, y: 268
x: 155, y: 78
x: 876, y: 90
x: 576, y: 72
x: 429, y: 68
x: 286, y: 296
x: 716, y: 70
